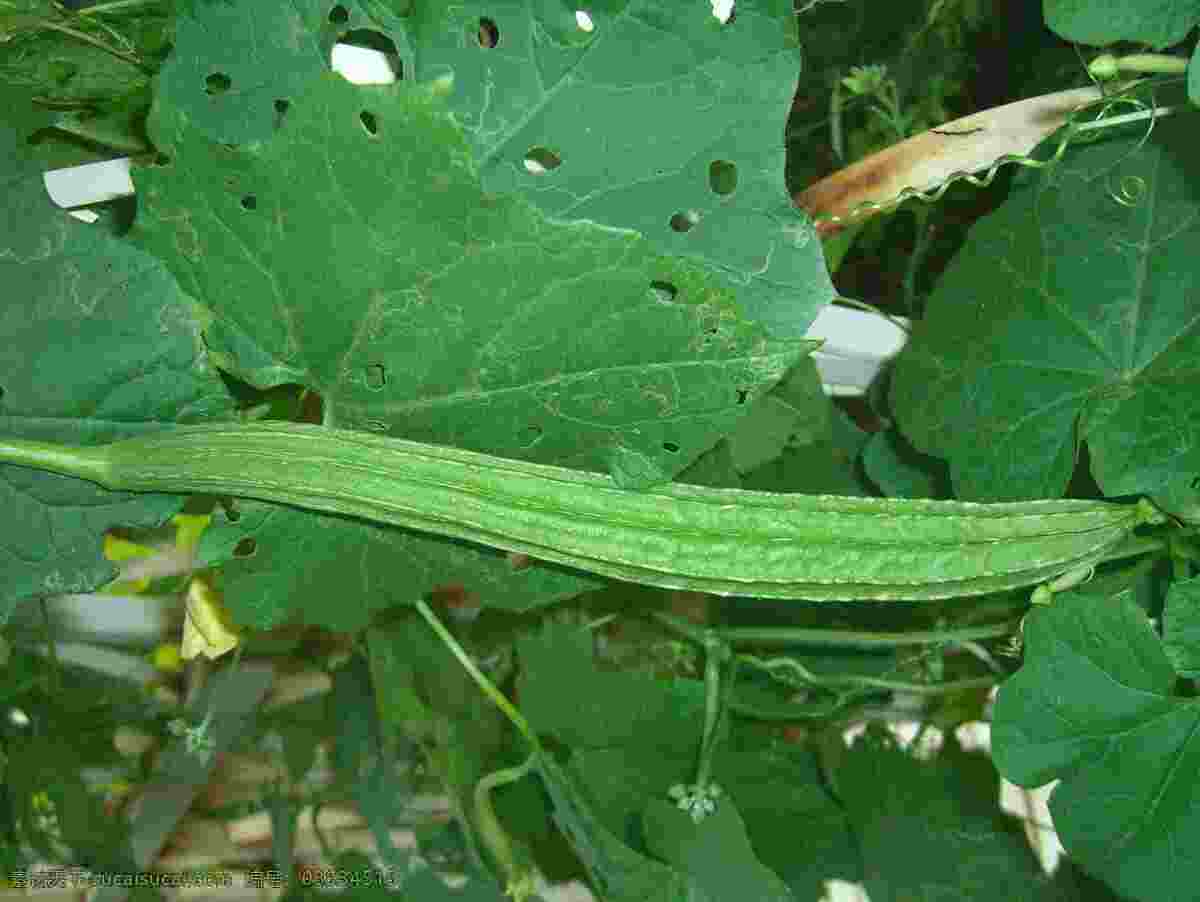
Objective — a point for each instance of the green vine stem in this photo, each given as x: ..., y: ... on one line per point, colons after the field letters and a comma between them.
x: 116, y: 6
x: 783, y: 636
x: 101, y: 135
x: 700, y: 798
x: 792, y: 713
x: 871, y: 308
x: 518, y: 872
x: 518, y: 869
x: 489, y: 689
x: 799, y: 675
x: 54, y: 671
x: 88, y: 39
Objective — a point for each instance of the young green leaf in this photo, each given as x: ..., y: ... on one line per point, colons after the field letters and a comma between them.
x: 1063, y: 321
x: 1095, y: 705
x: 97, y: 342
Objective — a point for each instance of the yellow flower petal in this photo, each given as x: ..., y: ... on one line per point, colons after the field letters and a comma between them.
x: 207, y: 628
x: 166, y: 657
x: 188, y: 528
x: 118, y: 549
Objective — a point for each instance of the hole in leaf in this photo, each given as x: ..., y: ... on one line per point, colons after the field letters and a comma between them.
x: 245, y: 548
x: 281, y: 108
x: 369, y: 122
x: 217, y: 83
x: 722, y: 177
x: 539, y: 160
x: 376, y: 40
x: 529, y: 436
x: 232, y: 514
x: 664, y: 292
x: 489, y: 34
x: 684, y: 220
x: 671, y: 447
x: 724, y: 10
x: 584, y: 21
x: 1, y: 392
x: 162, y: 159
x: 742, y: 395
x: 1195, y: 482
x: 376, y: 376
x: 518, y: 560
x: 249, y: 202
x: 339, y: 15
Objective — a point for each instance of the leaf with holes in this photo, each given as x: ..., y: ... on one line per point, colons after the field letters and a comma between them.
x: 1070, y: 315
x: 356, y: 254
x: 643, y: 115
x: 236, y: 83
x: 662, y: 120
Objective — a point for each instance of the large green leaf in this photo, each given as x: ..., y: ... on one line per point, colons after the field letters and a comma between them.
x: 619, y: 873
x: 822, y: 451
x: 1069, y: 315
x: 238, y: 65
x: 1154, y: 22
x: 795, y: 413
x: 716, y: 852
x: 932, y: 830
x: 418, y: 304
x: 899, y: 471
x: 532, y: 302
x: 564, y: 694
x: 632, y: 737
x: 279, y: 564
x: 97, y: 342
x: 1095, y: 705
x: 657, y: 115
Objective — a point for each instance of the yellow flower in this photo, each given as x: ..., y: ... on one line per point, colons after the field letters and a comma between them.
x: 121, y: 550
x: 166, y: 657
x: 208, y: 629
